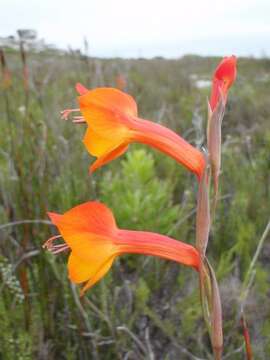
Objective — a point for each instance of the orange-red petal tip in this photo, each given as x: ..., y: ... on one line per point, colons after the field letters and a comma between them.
x: 224, y: 77
x: 81, y: 89
x: 54, y: 217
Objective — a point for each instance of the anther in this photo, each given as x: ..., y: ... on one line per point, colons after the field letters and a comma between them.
x: 49, y: 243
x: 55, y: 248
x: 65, y: 113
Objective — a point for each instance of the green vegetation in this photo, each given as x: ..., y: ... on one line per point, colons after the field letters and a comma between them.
x: 145, y: 308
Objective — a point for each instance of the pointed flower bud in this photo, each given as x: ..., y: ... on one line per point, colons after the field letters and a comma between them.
x: 223, y: 78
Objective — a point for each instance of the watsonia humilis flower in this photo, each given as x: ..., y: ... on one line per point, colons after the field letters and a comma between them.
x: 113, y: 123
x: 90, y: 232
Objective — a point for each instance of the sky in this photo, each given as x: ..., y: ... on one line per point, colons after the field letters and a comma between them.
x: 145, y: 28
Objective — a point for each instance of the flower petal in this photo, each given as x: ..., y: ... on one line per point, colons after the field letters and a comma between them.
x: 107, y: 112
x: 98, y: 145
x: 88, y: 229
x: 92, y: 216
x: 109, y: 156
x: 107, y: 102
x: 90, y: 247
x: 79, y: 270
x: 105, y: 267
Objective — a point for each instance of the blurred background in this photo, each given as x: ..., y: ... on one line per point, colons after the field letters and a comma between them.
x: 164, y: 55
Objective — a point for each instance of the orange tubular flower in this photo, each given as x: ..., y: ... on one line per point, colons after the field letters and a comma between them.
x: 113, y: 123
x: 91, y: 233
x: 224, y: 77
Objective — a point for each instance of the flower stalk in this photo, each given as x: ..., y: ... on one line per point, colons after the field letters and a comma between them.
x: 223, y: 78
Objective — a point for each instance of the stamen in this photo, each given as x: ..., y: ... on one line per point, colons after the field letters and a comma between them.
x: 59, y: 248
x: 49, y: 243
x: 78, y: 120
x: 65, y: 113
x: 55, y: 248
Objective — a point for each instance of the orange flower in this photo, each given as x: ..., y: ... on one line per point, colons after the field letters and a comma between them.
x: 113, y: 123
x: 91, y: 233
x: 224, y: 77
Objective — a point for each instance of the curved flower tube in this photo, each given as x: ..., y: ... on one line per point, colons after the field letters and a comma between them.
x: 113, y: 123
x: 91, y: 233
x: 224, y: 77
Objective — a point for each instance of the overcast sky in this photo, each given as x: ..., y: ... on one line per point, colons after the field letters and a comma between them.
x: 147, y: 28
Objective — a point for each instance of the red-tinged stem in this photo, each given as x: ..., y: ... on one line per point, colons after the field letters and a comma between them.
x: 148, y: 243
x: 167, y: 141
x: 203, y: 220
x: 214, y: 143
x: 247, y: 338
